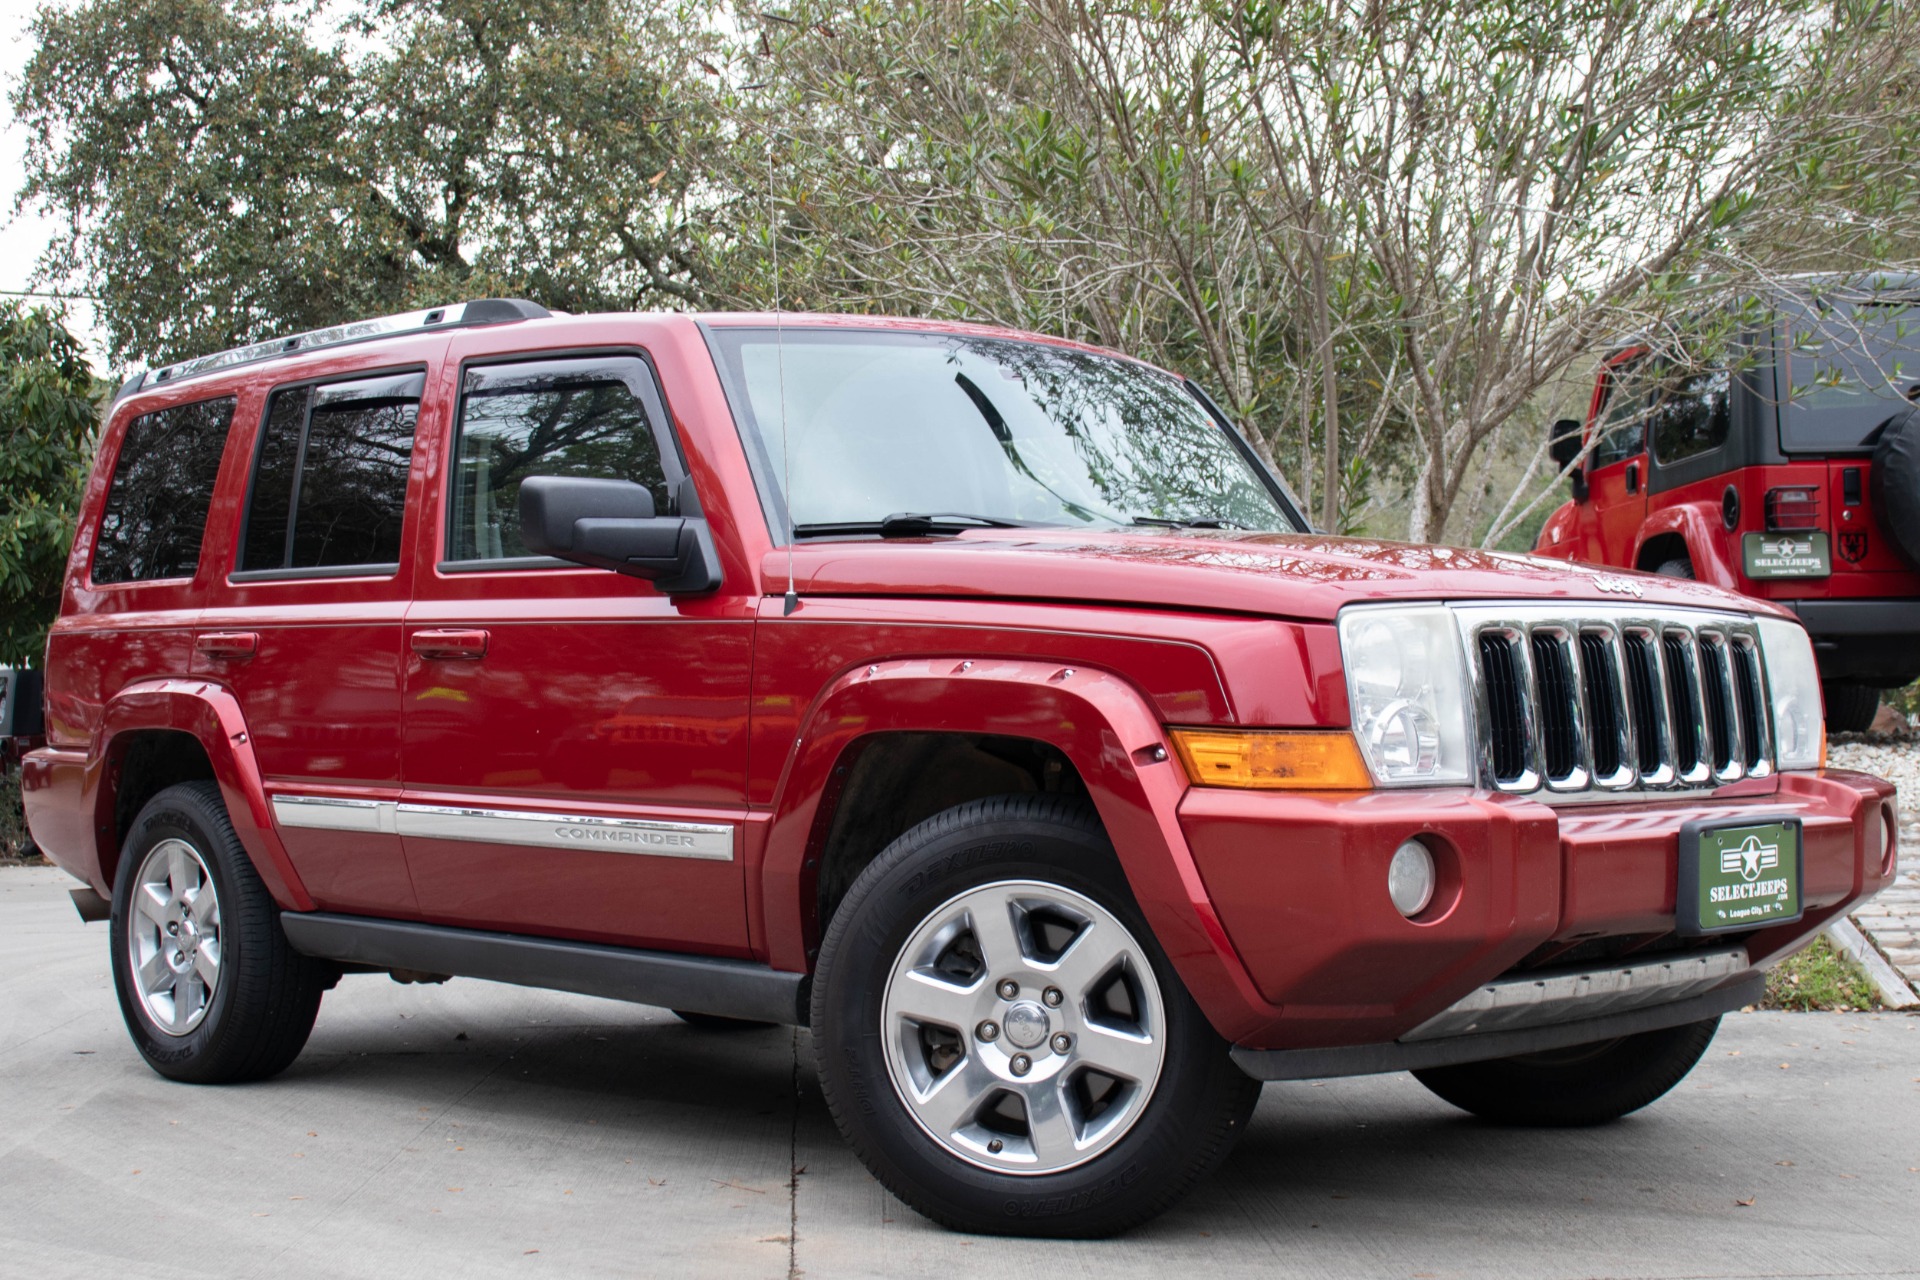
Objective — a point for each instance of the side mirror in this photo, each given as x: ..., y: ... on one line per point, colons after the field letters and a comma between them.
x: 609, y: 524
x: 1563, y: 446
x: 1563, y: 441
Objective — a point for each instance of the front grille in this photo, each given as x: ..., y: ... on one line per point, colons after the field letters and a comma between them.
x: 1553, y: 677
x: 1506, y: 722
x: 1612, y: 700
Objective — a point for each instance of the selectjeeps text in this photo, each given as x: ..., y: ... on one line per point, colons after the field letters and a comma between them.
x: 979, y: 701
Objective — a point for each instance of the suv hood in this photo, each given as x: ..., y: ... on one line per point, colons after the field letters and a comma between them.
x: 1298, y: 576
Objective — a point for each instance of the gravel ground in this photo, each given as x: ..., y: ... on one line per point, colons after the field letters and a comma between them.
x: 1892, y: 920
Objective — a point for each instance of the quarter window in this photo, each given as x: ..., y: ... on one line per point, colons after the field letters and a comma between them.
x: 1691, y: 417
x: 330, y: 483
x: 575, y: 417
x: 156, y: 509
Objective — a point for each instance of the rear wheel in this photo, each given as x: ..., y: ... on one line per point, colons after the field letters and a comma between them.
x: 1584, y: 1085
x: 1680, y: 567
x: 1850, y: 707
x: 209, y: 987
x: 1001, y: 1039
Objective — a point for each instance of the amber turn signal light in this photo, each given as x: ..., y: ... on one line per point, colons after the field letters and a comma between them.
x: 1273, y: 760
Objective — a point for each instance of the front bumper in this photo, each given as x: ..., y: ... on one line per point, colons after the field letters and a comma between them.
x: 1527, y: 894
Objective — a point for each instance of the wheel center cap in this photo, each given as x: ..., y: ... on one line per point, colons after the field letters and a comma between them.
x: 1026, y: 1025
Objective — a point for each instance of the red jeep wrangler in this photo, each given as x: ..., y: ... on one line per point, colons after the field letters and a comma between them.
x: 976, y: 700
x: 1792, y: 474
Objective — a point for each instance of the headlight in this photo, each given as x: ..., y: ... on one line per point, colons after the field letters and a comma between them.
x: 1406, y: 683
x: 1798, y: 729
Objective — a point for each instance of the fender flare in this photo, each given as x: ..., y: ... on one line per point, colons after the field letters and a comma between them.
x: 1698, y: 524
x: 212, y: 716
x: 1103, y: 725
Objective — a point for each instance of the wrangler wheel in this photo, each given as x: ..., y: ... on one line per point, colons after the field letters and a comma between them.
x: 1002, y: 1040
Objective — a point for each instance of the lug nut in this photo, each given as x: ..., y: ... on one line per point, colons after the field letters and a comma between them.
x: 1061, y: 1042
x: 988, y: 1031
x: 1053, y: 997
x: 1021, y: 1064
x: 1008, y: 989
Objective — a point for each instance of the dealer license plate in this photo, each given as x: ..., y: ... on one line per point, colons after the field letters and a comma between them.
x: 1786, y: 555
x: 1738, y: 875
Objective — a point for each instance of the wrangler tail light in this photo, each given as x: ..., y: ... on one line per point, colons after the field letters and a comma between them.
x: 1793, y: 507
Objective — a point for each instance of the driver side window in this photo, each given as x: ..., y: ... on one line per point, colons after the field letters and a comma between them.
x: 1623, y: 416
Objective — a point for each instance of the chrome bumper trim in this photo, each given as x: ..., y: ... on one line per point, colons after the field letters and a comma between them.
x: 1544, y: 998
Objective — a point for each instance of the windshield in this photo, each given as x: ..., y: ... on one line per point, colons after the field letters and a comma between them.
x: 879, y: 424
x: 1847, y: 369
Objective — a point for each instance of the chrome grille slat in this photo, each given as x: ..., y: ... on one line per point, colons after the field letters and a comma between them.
x: 1600, y: 701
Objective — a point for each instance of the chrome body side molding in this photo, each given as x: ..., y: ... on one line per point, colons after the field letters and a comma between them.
x: 710, y: 841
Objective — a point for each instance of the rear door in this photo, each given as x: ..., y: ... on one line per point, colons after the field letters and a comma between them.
x: 575, y: 741
x: 304, y: 625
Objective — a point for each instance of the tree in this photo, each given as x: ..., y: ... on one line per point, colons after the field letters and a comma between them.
x: 48, y: 413
x: 230, y: 169
x: 1416, y: 215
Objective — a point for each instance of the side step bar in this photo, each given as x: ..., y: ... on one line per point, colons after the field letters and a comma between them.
x: 698, y: 984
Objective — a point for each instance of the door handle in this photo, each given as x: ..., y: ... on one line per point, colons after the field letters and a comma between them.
x: 238, y: 645
x: 1633, y: 477
x: 450, y: 644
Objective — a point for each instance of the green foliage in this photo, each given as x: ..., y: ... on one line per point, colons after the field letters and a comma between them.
x: 1819, y: 978
x: 230, y: 169
x: 14, y: 841
x: 48, y: 412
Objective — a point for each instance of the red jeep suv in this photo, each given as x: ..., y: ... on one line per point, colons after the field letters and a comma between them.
x: 976, y: 700
x: 1790, y: 473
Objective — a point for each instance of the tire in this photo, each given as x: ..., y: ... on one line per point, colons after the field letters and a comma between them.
x: 1569, y: 1088
x: 1850, y: 707
x: 915, y: 961
x: 1680, y: 567
x: 236, y: 1002
x: 715, y: 1022
x: 1894, y: 482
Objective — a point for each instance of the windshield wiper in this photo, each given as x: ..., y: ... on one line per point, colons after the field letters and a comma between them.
x: 913, y: 524
x: 1204, y: 522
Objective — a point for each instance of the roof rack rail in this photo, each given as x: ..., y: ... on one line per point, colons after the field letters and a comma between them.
x: 460, y: 315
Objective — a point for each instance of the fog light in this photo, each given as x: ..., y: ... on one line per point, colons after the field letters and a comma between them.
x: 1410, y: 878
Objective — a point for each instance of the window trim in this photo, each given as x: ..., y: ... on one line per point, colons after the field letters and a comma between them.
x: 119, y: 457
x: 653, y: 404
x: 383, y: 571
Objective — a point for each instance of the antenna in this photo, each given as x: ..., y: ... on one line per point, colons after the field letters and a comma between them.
x: 792, y: 600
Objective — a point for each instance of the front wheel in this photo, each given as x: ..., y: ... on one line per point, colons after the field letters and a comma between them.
x: 1001, y: 1039
x: 210, y: 989
x: 1585, y: 1085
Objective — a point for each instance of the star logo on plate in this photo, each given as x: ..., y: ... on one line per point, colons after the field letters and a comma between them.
x: 1750, y: 859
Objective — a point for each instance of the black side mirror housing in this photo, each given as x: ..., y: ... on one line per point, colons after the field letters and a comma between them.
x: 610, y: 524
x: 1563, y: 446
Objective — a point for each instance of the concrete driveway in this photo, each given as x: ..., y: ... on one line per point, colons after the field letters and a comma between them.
x: 475, y: 1130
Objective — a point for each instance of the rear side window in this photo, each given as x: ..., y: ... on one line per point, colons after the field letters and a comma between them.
x: 574, y: 417
x: 330, y: 479
x: 156, y: 512
x: 1691, y: 417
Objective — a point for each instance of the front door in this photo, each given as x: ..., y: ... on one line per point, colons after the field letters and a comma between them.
x: 1617, y: 467
x: 575, y: 741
